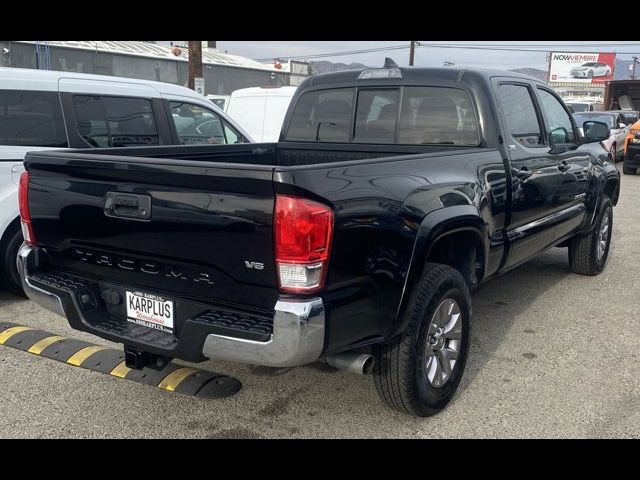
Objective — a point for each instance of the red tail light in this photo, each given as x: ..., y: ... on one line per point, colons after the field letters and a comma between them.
x: 303, y: 231
x: 25, y: 216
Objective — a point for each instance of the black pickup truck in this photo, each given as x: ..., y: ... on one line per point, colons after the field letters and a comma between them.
x: 357, y: 238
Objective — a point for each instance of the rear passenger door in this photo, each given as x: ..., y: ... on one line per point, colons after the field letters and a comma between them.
x: 29, y: 120
x: 534, y: 173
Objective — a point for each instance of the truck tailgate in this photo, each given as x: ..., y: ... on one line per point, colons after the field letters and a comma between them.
x: 195, y: 230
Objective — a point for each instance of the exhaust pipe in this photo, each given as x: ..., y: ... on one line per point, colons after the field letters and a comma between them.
x: 354, y: 362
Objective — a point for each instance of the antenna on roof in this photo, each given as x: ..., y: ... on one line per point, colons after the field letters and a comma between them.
x: 389, y: 63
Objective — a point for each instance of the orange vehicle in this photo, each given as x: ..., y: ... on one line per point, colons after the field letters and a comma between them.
x: 635, y: 130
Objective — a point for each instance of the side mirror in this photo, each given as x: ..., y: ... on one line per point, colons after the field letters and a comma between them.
x: 621, y: 125
x: 595, y: 131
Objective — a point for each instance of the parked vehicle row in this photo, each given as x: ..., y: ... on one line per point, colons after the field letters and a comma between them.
x: 618, y: 123
x: 43, y: 109
x: 356, y: 239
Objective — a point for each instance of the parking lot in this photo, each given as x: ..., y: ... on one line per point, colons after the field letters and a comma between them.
x: 553, y: 355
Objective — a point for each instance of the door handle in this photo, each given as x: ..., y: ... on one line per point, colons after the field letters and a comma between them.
x: 524, y: 173
x: 564, y: 166
x: 127, y: 205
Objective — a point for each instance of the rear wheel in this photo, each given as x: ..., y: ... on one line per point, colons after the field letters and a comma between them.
x: 588, y: 253
x: 628, y: 170
x: 420, y: 370
x: 9, y: 256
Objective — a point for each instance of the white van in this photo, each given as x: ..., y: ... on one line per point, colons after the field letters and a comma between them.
x: 261, y: 110
x: 44, y: 109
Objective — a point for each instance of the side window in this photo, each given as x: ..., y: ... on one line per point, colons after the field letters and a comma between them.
x: 437, y: 116
x: 115, y: 121
x: 31, y: 119
x: 557, y: 119
x: 198, y: 125
x: 322, y: 116
x: 376, y: 116
x: 520, y: 113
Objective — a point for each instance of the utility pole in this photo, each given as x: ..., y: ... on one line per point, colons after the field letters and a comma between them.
x: 412, y: 51
x: 633, y: 73
x: 195, y: 62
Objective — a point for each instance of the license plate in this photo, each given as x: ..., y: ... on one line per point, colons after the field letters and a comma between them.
x: 150, y: 311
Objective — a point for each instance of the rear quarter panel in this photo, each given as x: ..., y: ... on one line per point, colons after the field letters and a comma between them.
x: 380, y: 207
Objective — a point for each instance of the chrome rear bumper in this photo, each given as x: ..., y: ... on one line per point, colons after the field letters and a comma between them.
x: 26, y: 264
x: 297, y: 338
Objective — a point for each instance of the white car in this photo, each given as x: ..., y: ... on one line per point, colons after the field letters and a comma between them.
x: 44, y: 109
x: 617, y: 125
x: 590, y: 70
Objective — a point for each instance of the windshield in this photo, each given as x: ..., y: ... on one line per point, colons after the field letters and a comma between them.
x: 589, y: 64
x: 580, y: 119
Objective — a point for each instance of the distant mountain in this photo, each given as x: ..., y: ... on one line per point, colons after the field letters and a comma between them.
x: 326, y: 67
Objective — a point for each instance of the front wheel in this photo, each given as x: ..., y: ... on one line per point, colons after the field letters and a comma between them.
x: 588, y: 252
x: 613, y: 153
x: 419, y: 371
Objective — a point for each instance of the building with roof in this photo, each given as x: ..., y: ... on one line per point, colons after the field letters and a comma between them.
x: 223, y: 72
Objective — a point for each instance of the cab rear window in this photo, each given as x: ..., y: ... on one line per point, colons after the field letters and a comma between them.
x: 425, y: 116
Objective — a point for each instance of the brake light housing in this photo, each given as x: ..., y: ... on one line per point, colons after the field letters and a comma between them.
x: 23, y: 205
x: 303, y: 230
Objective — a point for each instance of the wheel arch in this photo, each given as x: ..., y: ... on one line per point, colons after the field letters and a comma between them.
x: 459, y: 225
x: 612, y: 190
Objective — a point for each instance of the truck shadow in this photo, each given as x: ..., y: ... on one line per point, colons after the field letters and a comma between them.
x: 497, y: 308
x: 499, y: 304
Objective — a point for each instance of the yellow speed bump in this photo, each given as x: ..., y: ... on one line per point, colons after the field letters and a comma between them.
x: 80, y: 356
x: 175, y: 378
x: 172, y: 377
x: 38, y: 347
x: 10, y: 332
x: 120, y: 371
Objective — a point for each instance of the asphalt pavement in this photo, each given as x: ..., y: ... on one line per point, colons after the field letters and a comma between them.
x: 553, y: 355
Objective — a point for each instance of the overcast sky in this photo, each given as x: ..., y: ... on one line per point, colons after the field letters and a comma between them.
x: 429, y: 55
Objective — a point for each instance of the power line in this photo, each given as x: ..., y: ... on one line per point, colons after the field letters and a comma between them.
x: 465, y: 46
x: 544, y: 45
x: 338, y: 54
x: 505, y: 48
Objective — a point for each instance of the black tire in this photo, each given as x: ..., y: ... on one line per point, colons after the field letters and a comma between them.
x: 583, y: 249
x: 9, y: 254
x: 400, y: 372
x: 629, y: 170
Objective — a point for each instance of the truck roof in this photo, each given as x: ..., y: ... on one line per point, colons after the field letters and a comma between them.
x: 409, y: 75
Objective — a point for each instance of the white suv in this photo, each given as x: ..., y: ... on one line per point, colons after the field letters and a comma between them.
x: 44, y: 110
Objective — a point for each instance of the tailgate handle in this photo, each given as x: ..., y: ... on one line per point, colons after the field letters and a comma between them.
x: 127, y: 205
